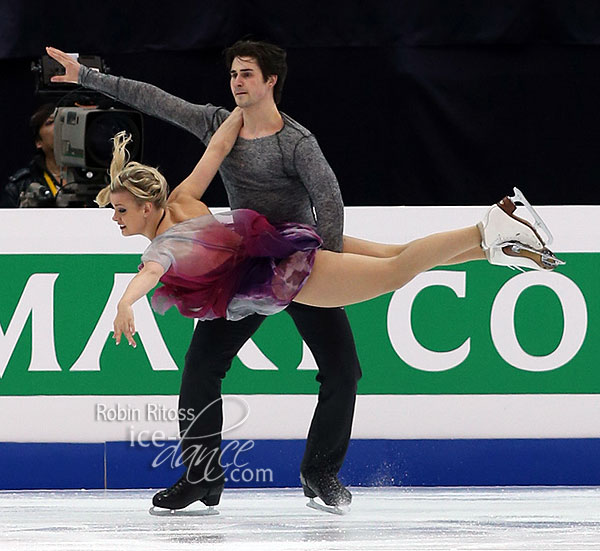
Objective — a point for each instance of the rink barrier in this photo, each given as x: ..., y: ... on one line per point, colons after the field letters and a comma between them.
x: 469, y: 462
x: 461, y: 383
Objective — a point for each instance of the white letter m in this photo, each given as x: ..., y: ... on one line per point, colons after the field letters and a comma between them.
x: 37, y: 300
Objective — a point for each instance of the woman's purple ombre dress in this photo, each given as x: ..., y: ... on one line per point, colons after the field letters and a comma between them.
x: 231, y: 265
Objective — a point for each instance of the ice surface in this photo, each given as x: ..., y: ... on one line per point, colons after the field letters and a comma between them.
x: 381, y: 518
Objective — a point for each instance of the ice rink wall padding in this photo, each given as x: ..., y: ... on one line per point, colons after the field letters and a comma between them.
x: 472, y: 374
x: 481, y: 462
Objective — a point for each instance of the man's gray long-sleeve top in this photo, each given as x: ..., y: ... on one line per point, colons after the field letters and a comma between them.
x: 283, y: 176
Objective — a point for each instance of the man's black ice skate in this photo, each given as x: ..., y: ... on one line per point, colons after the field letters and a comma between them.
x: 334, y: 496
x: 173, y: 500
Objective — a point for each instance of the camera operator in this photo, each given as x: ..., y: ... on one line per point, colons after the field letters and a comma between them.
x: 38, y: 183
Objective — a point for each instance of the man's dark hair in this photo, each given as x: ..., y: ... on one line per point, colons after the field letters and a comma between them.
x: 270, y: 58
x: 39, y: 118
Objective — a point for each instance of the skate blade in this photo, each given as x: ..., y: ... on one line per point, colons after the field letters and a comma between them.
x: 334, y: 510
x: 538, y: 223
x: 544, y: 259
x: 160, y: 512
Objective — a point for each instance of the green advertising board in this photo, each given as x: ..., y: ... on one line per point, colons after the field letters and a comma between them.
x: 467, y: 329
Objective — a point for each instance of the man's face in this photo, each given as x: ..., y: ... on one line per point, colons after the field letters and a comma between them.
x: 247, y: 83
x: 46, y: 140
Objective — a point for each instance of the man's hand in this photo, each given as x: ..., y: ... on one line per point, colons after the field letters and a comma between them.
x: 71, y: 66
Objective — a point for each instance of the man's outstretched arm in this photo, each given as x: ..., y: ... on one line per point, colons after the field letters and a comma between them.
x: 200, y: 120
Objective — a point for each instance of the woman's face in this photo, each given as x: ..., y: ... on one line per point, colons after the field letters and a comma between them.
x: 129, y: 213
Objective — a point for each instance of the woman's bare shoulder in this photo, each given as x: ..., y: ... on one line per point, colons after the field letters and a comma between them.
x: 180, y: 211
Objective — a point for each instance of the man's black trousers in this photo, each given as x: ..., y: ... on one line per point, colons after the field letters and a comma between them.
x: 215, y: 343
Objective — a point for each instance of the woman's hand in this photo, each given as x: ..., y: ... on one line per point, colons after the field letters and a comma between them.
x: 226, y: 135
x: 71, y: 66
x: 142, y: 283
x: 124, y: 324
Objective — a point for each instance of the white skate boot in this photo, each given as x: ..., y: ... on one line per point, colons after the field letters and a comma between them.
x: 509, y: 240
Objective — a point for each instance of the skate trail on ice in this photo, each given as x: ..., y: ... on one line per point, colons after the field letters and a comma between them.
x: 275, y: 519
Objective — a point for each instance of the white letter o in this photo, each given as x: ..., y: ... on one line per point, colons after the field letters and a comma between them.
x: 503, y: 327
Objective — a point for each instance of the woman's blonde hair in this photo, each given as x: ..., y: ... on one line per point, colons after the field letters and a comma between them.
x: 143, y: 182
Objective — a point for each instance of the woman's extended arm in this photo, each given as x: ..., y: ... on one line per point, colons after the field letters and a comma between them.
x: 141, y: 284
x: 194, y: 186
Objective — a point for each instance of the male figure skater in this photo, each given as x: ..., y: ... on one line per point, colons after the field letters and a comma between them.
x: 276, y: 168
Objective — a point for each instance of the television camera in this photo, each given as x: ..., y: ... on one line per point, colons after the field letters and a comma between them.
x: 84, y: 124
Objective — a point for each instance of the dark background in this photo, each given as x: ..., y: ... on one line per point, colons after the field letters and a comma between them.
x: 417, y: 102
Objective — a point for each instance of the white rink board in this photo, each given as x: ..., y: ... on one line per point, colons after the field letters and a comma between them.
x: 94, y: 418
x: 575, y: 228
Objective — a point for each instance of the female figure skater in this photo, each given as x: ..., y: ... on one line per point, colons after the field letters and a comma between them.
x: 235, y: 264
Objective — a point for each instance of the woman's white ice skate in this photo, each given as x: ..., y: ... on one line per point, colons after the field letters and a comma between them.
x: 516, y: 255
x: 509, y: 240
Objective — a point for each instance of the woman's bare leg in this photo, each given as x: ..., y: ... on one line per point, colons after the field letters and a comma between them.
x: 384, y: 250
x: 340, y: 279
x: 476, y: 253
x: 363, y: 247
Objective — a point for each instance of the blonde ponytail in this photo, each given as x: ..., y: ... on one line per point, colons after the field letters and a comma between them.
x: 143, y: 182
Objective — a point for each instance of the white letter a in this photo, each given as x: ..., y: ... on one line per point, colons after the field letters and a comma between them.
x: 145, y: 324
